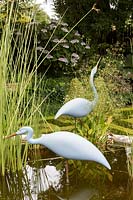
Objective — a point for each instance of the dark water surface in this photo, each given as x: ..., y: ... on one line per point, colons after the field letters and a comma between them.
x: 44, y: 179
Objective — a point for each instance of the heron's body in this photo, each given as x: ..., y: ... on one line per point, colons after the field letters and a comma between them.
x: 80, y: 107
x: 68, y: 145
x: 71, y: 146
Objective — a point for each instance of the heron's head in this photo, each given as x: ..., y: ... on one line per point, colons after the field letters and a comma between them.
x: 22, y: 131
x: 94, y: 70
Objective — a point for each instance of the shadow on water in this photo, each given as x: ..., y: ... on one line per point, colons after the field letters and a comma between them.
x: 44, y: 179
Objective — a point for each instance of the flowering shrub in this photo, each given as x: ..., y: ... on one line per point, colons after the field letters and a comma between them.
x: 70, y: 51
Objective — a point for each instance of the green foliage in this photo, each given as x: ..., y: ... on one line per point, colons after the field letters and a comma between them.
x: 76, y: 89
x: 24, y: 12
x: 57, y: 88
x: 116, y: 80
x: 122, y: 121
x: 21, y: 11
x: 98, y: 25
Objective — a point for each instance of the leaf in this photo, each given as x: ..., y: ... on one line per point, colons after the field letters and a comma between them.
x: 121, y: 128
x: 109, y: 120
x: 24, y: 19
x: 2, y: 16
x: 126, y: 109
x: 128, y: 120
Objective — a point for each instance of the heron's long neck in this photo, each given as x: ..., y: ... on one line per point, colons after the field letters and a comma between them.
x: 34, y: 141
x: 94, y: 89
x: 30, y: 139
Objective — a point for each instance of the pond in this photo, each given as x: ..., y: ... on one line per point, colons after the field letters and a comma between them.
x: 43, y: 178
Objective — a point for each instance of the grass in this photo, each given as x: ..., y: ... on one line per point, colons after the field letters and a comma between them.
x: 18, y: 104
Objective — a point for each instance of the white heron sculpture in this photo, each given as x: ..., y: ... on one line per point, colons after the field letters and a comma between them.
x: 80, y: 107
x: 66, y: 144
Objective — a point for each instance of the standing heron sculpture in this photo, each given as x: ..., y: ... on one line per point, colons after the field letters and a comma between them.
x: 80, y: 107
x: 66, y: 144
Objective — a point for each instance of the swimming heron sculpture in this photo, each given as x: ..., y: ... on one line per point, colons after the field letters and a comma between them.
x: 80, y: 107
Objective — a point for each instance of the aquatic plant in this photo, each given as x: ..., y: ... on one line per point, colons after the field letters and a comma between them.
x: 20, y: 103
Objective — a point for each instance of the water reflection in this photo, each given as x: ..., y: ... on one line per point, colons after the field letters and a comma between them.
x: 40, y: 180
x: 45, y: 180
x: 29, y: 183
x: 81, y: 193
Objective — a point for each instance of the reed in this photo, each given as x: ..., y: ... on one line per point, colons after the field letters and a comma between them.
x: 19, y: 99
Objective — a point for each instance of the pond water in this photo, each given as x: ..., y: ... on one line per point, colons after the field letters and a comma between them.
x: 43, y: 178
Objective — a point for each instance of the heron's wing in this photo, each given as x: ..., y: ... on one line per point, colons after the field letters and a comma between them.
x: 78, y: 107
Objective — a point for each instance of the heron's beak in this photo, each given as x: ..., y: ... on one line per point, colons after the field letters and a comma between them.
x: 9, y: 136
x: 98, y: 61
